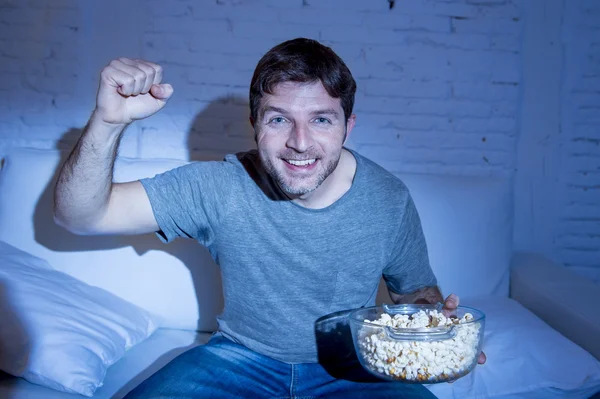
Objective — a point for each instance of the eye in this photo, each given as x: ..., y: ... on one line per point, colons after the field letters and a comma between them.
x: 277, y: 120
x: 321, y: 120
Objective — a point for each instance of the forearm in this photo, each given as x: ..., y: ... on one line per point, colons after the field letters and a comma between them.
x: 426, y: 295
x: 84, y: 185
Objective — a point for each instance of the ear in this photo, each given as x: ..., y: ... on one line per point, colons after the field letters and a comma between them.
x: 349, y: 126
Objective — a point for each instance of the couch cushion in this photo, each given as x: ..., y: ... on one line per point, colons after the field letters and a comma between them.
x: 467, y: 222
x: 178, y: 282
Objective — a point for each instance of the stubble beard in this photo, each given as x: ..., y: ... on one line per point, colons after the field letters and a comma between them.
x: 298, y: 189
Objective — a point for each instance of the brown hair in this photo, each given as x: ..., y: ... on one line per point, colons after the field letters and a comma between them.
x: 304, y: 61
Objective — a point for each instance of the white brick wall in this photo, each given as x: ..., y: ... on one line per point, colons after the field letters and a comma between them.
x: 439, y: 88
x: 557, y: 187
x: 438, y: 80
x: 578, y: 226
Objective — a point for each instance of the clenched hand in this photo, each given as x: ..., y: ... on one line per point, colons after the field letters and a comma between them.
x: 130, y: 89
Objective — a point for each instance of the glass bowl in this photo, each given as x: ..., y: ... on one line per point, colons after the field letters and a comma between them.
x: 406, y: 343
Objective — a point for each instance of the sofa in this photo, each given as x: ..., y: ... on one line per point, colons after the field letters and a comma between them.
x: 541, y: 334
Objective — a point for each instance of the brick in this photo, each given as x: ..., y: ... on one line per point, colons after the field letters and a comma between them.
x: 588, y: 115
x: 405, y: 88
x: 219, y: 76
x: 580, y: 226
x: 448, y: 108
x: 54, y: 4
x: 382, y: 55
x: 183, y: 59
x: 250, y: 30
x: 208, y: 92
x: 352, y: 5
x: 582, y: 193
x: 588, y: 179
x: 41, y: 17
x: 483, y: 125
x: 54, y: 68
x: 585, y: 131
x: 245, y: 12
x: 200, y: 29
x: 488, y: 2
x: 488, y: 91
x: 404, y: 22
x: 483, y: 26
x: 361, y: 35
x: 583, y: 257
x: 403, y: 122
x: 505, y: 42
x: 432, y: 7
x: 583, y: 99
x: 584, y: 145
x: 231, y: 45
x: 25, y: 50
x: 584, y: 164
x: 9, y: 82
x: 160, y: 8
x: 465, y: 41
x: 50, y: 86
x: 310, y: 16
x: 432, y: 155
x: 166, y: 41
x: 219, y: 110
x: 30, y: 100
x: 585, y: 84
x: 454, y: 141
x: 590, y: 241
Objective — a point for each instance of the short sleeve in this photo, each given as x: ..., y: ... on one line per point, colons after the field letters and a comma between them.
x: 409, y: 268
x: 189, y: 201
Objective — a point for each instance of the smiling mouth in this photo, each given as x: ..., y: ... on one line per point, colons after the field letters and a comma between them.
x: 298, y: 162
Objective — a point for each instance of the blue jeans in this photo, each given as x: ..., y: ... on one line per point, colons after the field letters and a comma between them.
x: 224, y: 369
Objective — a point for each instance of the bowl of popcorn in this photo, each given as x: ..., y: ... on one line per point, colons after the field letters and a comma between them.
x: 417, y: 343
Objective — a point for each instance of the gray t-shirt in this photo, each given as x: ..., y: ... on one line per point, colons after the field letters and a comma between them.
x: 283, y: 266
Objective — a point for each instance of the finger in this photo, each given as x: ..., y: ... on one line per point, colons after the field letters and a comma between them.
x: 150, y: 72
x: 451, y: 302
x: 158, y: 71
x: 450, y: 305
x: 124, y: 82
x: 138, y: 75
x: 162, y: 92
x: 482, y: 358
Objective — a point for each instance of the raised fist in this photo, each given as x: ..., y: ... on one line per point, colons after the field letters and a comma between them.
x: 130, y: 90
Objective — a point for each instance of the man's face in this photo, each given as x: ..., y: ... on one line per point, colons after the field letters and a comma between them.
x: 300, y: 131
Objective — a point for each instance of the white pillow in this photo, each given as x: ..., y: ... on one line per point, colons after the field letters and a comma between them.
x: 526, y: 359
x: 59, y: 332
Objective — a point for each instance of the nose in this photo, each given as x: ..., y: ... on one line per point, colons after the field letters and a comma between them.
x: 300, y: 138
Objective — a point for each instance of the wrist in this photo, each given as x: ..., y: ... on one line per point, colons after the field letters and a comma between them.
x: 102, y: 130
x: 99, y: 120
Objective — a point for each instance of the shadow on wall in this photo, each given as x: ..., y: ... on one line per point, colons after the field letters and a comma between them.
x: 210, y: 137
x: 221, y: 128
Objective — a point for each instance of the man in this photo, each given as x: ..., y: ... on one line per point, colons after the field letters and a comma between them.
x: 301, y: 228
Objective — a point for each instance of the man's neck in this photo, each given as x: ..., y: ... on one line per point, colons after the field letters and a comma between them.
x: 334, y: 186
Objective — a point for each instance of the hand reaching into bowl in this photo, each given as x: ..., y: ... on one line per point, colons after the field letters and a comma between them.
x: 450, y: 305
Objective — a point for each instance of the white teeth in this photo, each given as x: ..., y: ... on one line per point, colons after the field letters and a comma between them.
x: 301, y: 163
